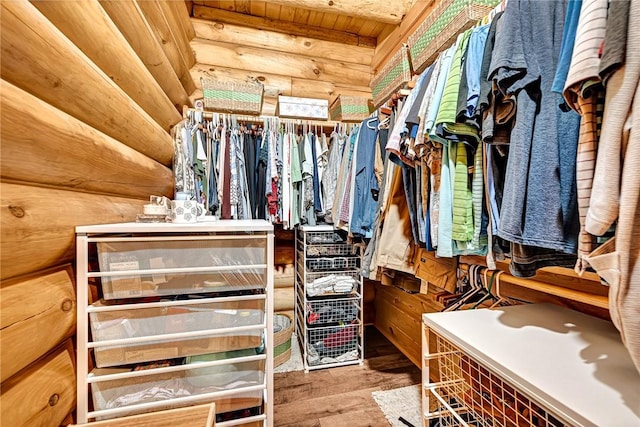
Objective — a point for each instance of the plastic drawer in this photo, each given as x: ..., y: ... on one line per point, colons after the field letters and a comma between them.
x: 174, y: 267
x: 134, y: 392
x: 157, y: 321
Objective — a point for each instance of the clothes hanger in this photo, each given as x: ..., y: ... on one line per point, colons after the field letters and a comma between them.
x: 472, y: 280
x: 489, y: 288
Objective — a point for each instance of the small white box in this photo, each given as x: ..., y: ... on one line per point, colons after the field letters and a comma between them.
x: 302, y: 108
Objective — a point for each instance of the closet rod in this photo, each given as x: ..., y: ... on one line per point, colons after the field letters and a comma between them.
x: 599, y: 301
x: 260, y: 119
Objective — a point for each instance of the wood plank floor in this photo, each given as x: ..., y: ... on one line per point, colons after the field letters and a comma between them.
x: 341, y: 397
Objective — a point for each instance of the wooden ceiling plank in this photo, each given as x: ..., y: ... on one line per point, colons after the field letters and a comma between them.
x: 341, y: 23
x: 302, y: 16
x: 329, y: 20
x: 272, y: 11
x: 255, y: 59
x: 387, y: 11
x: 88, y: 26
x: 137, y: 30
x: 310, y: 31
x: 231, y: 33
x: 243, y: 6
x: 315, y: 18
x: 258, y: 8
x: 391, y: 44
x: 288, y: 13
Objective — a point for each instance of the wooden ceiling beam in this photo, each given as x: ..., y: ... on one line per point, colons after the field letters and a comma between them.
x: 231, y: 33
x: 391, y: 43
x: 279, y: 26
x: 387, y: 11
x: 262, y: 60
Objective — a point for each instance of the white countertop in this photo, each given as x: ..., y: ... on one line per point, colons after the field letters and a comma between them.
x: 573, y: 364
x: 205, y: 226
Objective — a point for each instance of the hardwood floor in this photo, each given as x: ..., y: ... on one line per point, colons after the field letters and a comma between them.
x: 341, y: 397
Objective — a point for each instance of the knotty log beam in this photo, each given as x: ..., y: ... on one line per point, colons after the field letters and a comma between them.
x: 177, y: 29
x: 254, y: 59
x: 38, y: 58
x: 66, y: 152
x: 274, y: 41
x: 38, y: 224
x: 29, y: 307
x: 42, y: 394
x: 141, y: 36
x: 89, y: 27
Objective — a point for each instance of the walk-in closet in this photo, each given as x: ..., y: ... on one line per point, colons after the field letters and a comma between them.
x: 301, y: 213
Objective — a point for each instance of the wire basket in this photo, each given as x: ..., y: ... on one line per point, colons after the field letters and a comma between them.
x: 331, y: 250
x: 334, y: 344
x: 282, y: 339
x: 468, y: 394
x: 335, y: 263
x: 324, y: 237
x: 332, y: 311
x: 331, y: 284
x: 440, y: 29
x: 232, y: 97
x: 393, y: 76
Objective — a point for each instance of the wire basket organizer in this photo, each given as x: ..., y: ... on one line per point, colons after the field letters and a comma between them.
x: 232, y: 97
x: 469, y: 394
x: 333, y: 344
x: 330, y: 250
x: 440, y: 29
x: 332, y: 311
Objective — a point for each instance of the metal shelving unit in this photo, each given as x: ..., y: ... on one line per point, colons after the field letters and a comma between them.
x: 329, y: 322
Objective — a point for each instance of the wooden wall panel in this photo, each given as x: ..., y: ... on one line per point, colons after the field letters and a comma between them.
x: 38, y: 224
x: 245, y: 36
x: 89, y: 27
x: 42, y: 394
x: 37, y: 312
x: 138, y: 31
x: 255, y: 59
x: 66, y: 152
x: 38, y: 58
x: 161, y: 28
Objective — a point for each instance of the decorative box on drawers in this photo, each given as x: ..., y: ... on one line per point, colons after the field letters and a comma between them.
x: 328, y: 298
x: 184, y: 317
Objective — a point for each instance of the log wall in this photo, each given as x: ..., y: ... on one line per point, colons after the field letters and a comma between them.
x: 88, y: 94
